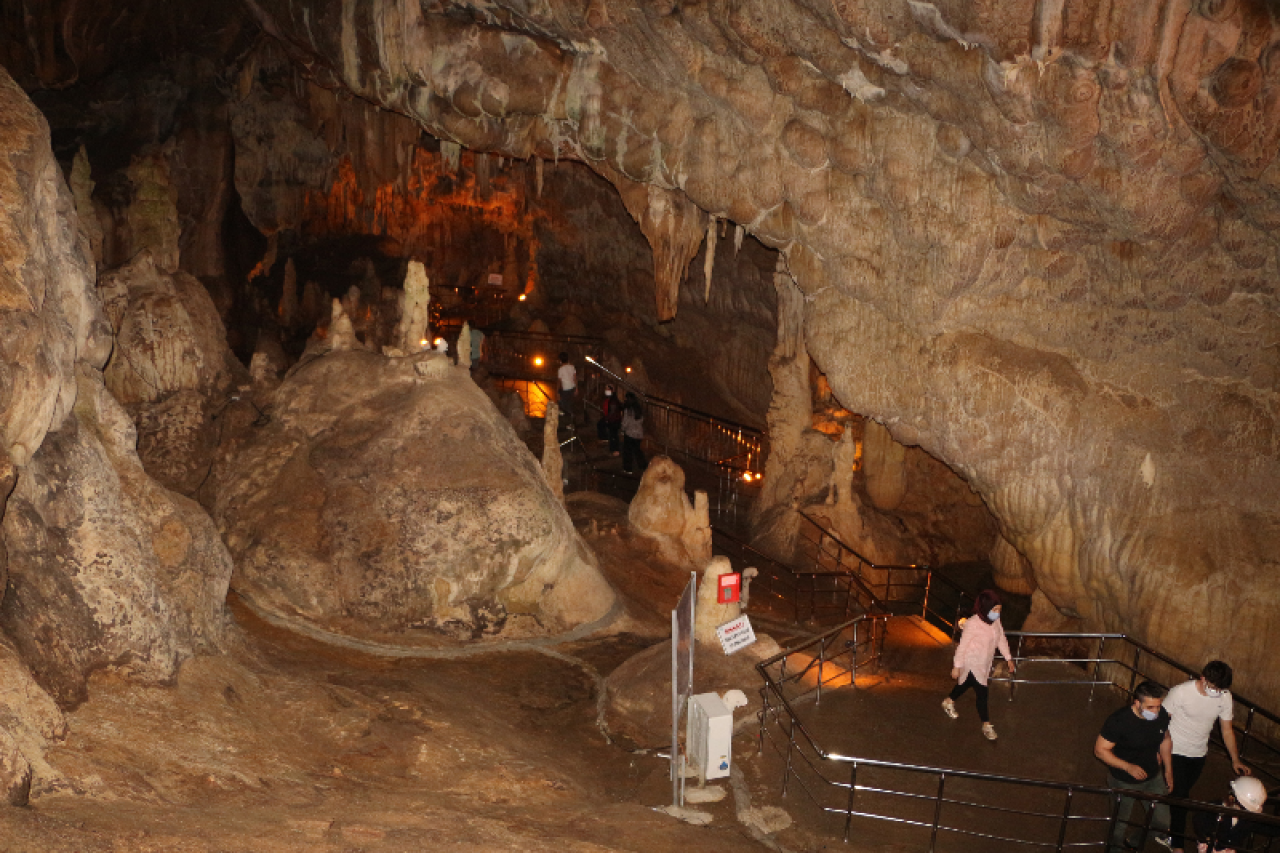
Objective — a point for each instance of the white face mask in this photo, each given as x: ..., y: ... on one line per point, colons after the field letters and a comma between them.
x: 1211, y: 692
x: 993, y: 615
x: 608, y: 393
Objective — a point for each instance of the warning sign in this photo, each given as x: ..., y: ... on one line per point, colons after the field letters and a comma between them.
x: 730, y: 585
x: 736, y: 634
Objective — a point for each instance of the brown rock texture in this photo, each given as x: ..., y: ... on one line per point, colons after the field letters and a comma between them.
x: 170, y: 368
x: 107, y: 568
x: 661, y: 510
x: 388, y: 499
x: 1036, y: 240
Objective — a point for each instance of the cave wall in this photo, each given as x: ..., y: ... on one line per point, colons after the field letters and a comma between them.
x: 1038, y: 241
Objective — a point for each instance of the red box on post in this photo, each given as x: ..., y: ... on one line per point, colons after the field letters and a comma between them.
x: 730, y: 585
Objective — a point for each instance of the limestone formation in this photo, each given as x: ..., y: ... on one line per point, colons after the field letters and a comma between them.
x: 106, y: 567
x: 662, y: 510
x: 30, y: 723
x: 383, y: 504
x: 1013, y: 573
x: 415, y: 312
x: 49, y: 317
x: 883, y: 459
x: 170, y: 367
x: 1035, y: 241
x: 342, y: 335
x: 152, y: 216
x: 552, y: 460
x: 81, y: 182
x: 464, y: 346
x: 843, y: 457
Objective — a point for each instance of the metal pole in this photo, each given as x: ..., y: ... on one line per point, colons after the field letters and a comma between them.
x: 791, y: 745
x: 1244, y: 736
x: 928, y: 585
x: 675, y: 707
x: 822, y: 659
x: 937, y: 813
x: 848, y: 811
x: 1066, y: 815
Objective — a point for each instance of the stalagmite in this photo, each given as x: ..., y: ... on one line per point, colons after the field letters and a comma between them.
x: 552, y: 460
x: 464, y: 346
x: 709, y: 261
x: 537, y: 176
x: 412, y: 328
x: 81, y: 182
x: 843, y: 456
x: 342, y: 335
x: 710, y: 614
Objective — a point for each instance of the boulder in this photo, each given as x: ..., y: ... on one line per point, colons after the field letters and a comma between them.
x: 387, y: 499
x: 171, y: 367
x: 107, y: 569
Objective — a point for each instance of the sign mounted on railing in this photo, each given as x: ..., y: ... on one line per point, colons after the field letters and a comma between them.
x: 736, y: 634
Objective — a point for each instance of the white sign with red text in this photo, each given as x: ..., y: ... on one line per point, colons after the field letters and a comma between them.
x: 736, y: 634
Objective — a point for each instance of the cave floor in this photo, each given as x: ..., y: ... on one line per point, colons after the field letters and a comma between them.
x: 1046, y: 731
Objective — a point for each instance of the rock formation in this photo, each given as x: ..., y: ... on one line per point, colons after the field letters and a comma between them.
x: 384, y: 501
x: 980, y: 204
x: 414, y: 314
x: 106, y: 568
x: 552, y: 460
x: 662, y: 510
x: 170, y: 367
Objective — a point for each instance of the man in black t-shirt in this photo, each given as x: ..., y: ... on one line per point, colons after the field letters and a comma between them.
x: 1135, y: 746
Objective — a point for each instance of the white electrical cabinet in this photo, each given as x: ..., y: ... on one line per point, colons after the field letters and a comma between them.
x: 710, y: 735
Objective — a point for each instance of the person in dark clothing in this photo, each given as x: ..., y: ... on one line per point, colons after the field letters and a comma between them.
x: 1136, y: 747
x: 633, y: 460
x: 1221, y: 833
x: 610, y: 424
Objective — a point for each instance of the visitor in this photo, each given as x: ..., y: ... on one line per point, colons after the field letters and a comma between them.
x: 1136, y: 747
x: 981, y: 636
x: 610, y: 423
x: 1220, y: 833
x: 633, y: 461
x: 568, y: 376
x: 1193, y: 707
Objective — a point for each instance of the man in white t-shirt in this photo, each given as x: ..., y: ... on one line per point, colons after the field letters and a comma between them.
x: 568, y: 375
x: 1193, y: 707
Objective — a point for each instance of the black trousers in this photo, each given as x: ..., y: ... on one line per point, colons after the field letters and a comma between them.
x: 1186, y: 772
x: 633, y: 454
x: 981, y: 689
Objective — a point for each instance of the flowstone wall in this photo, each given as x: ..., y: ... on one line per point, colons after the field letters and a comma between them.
x: 1036, y: 239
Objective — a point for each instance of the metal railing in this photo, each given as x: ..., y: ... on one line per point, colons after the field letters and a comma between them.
x: 807, y: 597
x: 1032, y: 813
x: 903, y: 588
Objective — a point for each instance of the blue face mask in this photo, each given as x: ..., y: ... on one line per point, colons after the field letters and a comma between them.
x: 1149, y: 715
x: 993, y: 616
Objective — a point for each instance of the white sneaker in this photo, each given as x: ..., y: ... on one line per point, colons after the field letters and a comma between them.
x: 949, y: 706
x: 988, y: 731
x: 1163, y: 841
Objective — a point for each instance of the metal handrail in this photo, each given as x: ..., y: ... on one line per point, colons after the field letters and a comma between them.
x: 798, y: 585
x: 776, y: 705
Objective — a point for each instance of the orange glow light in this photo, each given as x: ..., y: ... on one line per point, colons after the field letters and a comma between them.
x: 628, y: 370
x: 537, y: 361
x: 423, y: 342
x: 523, y: 297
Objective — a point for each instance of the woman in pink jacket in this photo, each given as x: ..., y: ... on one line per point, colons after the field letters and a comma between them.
x: 977, y: 649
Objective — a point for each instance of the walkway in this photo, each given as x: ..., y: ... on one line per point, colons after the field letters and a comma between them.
x: 1047, y: 731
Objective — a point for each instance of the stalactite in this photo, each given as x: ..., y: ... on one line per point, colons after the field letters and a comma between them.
x: 738, y: 233
x: 482, y: 175
x: 709, y: 262
x: 537, y: 176
x: 451, y: 153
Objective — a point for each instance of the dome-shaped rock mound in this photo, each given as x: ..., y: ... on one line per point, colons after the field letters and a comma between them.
x: 388, y: 500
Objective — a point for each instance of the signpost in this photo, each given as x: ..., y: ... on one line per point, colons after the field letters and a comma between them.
x: 682, y: 641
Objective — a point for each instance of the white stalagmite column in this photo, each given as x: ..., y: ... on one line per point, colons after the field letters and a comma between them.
x: 415, y: 315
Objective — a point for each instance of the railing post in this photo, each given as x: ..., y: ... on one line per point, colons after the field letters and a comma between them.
x: 791, y: 745
x: 848, y: 809
x: 937, y: 813
x: 928, y: 585
x: 888, y: 583
x: 1244, y: 736
x: 822, y: 660
x: 853, y: 660
x: 1066, y: 816
x: 1097, y: 666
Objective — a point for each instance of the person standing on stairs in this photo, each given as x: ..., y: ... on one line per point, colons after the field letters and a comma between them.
x: 568, y: 376
x: 610, y: 425
x: 633, y: 435
x: 1194, y: 707
x: 975, y: 653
